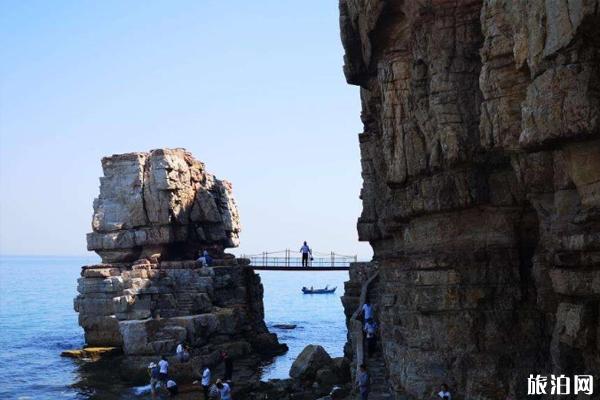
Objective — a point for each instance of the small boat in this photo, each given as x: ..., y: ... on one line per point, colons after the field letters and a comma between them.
x: 325, y: 290
x: 285, y: 326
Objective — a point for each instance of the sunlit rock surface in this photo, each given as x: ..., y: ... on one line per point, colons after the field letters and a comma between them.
x: 161, y: 203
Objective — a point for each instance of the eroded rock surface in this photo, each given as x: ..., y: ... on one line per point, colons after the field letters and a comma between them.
x: 160, y: 209
x: 481, y: 195
x: 161, y: 203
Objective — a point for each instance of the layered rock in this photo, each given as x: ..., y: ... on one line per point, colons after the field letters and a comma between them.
x: 161, y: 203
x: 163, y: 208
x: 481, y: 194
x: 148, y: 309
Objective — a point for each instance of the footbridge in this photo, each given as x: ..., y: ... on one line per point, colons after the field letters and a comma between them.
x: 288, y: 260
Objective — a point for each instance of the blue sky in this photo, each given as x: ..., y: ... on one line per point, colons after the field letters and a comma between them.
x: 253, y: 89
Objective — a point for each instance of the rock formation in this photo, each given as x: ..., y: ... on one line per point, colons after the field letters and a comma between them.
x: 481, y: 195
x: 162, y: 202
x: 160, y: 208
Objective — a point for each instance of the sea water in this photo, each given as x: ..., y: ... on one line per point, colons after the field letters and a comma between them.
x: 37, y: 322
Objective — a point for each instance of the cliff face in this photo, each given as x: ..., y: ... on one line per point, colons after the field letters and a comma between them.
x: 160, y: 208
x: 481, y: 195
x: 161, y: 203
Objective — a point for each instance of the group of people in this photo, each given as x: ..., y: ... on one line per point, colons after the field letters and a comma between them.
x: 161, y: 381
x: 370, y: 327
x: 159, y: 378
x: 363, y: 379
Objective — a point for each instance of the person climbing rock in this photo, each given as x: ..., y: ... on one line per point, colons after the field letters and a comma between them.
x: 154, y: 372
x: 367, y: 310
x: 306, y: 252
x: 363, y: 381
x: 371, y: 330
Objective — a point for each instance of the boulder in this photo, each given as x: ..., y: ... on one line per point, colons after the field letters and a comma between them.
x: 309, y: 361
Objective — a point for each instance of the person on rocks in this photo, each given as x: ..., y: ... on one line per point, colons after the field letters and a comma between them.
x: 154, y: 373
x: 205, y: 382
x: 202, y: 258
x: 363, y: 381
x: 172, y: 388
x: 371, y: 331
x: 163, y: 370
x: 180, y: 352
x: 306, y: 251
x: 444, y: 394
x: 367, y: 310
x: 224, y: 390
x: 228, y: 366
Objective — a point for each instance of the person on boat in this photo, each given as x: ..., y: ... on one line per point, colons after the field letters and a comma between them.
x: 154, y: 373
x: 363, y: 381
x: 172, y: 388
x: 367, y: 310
x: 205, y: 382
x: 224, y: 390
x: 228, y: 366
x: 306, y: 251
x: 444, y: 393
x: 371, y: 330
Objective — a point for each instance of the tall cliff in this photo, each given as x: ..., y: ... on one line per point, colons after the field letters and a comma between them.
x: 481, y: 194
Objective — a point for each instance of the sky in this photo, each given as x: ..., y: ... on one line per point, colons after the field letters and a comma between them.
x: 253, y: 89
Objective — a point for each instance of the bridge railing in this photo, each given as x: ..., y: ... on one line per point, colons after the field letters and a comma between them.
x: 289, y: 258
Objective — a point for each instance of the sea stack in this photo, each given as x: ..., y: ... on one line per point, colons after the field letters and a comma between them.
x: 155, y: 212
x: 481, y: 194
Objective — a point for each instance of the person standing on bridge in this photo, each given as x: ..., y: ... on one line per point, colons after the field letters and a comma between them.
x: 306, y: 251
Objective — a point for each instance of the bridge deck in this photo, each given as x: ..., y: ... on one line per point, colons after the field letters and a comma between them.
x: 295, y: 268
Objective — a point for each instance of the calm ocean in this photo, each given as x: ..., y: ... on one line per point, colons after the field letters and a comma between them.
x: 37, y: 322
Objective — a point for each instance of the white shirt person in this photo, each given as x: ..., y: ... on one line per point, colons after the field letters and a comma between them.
x: 206, y: 375
x: 367, y: 309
